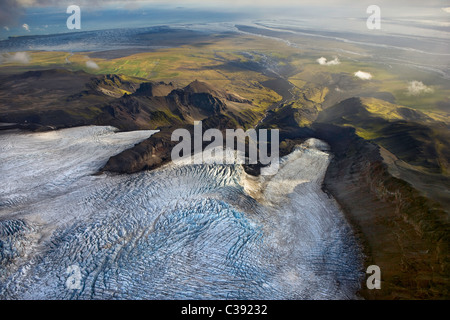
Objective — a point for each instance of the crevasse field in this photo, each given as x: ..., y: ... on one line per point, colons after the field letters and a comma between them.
x: 179, y: 232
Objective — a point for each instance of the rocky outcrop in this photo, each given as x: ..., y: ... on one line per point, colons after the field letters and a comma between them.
x: 61, y: 98
x: 112, y: 85
x: 188, y: 103
x: 156, y: 151
x: 155, y: 89
x: 203, y: 87
x: 147, y: 155
x: 404, y: 233
x: 409, y: 134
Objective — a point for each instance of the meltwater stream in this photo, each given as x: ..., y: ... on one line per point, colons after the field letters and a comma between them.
x: 178, y: 232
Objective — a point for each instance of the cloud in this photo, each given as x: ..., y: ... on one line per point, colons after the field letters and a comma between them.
x: 363, y: 75
x: 323, y: 61
x: 416, y: 88
x: 446, y: 9
x: 6, y: 28
x: 26, y: 27
x: 18, y: 57
x: 92, y: 65
x: 10, y: 10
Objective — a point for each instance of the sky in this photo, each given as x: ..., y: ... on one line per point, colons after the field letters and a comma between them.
x: 23, y: 17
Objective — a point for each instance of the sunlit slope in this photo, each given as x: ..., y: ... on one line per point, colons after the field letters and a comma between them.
x: 411, y: 135
x: 178, y: 232
x: 221, y: 61
x: 60, y: 98
x: 242, y: 62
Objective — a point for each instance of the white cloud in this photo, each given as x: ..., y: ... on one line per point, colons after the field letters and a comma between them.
x: 323, y: 61
x: 26, y: 27
x: 363, y: 75
x: 92, y: 65
x: 18, y: 57
x: 416, y: 88
x: 446, y: 9
x: 6, y: 28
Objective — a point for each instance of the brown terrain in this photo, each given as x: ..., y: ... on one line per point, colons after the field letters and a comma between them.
x: 402, y: 221
x: 404, y: 233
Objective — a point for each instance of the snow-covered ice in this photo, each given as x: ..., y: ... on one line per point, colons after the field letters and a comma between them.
x: 179, y: 232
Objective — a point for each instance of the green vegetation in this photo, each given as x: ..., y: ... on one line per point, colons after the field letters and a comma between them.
x: 223, y: 63
x: 231, y: 64
x: 410, y: 135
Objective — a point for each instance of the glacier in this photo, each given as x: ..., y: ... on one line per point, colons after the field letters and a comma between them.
x: 182, y: 231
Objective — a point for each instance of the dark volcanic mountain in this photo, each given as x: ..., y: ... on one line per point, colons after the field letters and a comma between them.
x: 60, y: 98
x: 389, y: 170
x: 409, y: 134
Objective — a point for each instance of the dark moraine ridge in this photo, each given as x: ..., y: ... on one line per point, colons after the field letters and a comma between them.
x: 405, y: 234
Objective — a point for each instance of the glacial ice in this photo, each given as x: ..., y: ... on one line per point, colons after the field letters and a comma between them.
x: 179, y: 232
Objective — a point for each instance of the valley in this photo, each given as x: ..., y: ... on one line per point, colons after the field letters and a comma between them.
x: 381, y: 186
